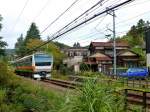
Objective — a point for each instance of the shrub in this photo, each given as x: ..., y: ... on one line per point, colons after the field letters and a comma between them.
x: 92, y: 74
x: 20, y: 95
x: 94, y: 98
x: 65, y: 70
x: 84, y: 67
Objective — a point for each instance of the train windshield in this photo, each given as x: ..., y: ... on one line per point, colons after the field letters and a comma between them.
x: 43, y: 60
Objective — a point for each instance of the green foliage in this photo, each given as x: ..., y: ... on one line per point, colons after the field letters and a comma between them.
x: 84, y: 67
x: 94, y: 98
x: 57, y: 54
x: 3, y: 44
x: 61, y: 45
x: 21, y: 95
x: 140, y: 52
x: 135, y: 36
x: 5, y: 76
x: 92, y: 74
x: 65, y: 70
x: 21, y: 44
x: 33, y: 32
x: 0, y: 21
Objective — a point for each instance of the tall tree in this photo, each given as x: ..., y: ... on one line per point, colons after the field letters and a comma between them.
x: 33, y: 33
x: 49, y: 48
x: 3, y: 44
x: 136, y: 39
x: 20, y: 46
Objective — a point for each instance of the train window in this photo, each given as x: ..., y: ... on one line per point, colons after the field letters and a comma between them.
x: 43, y: 60
x: 42, y: 63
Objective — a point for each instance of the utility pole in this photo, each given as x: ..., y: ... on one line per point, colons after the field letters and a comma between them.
x: 147, y: 36
x: 112, y: 13
x: 114, y: 41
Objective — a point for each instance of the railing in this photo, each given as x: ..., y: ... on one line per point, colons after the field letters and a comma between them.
x: 137, y: 97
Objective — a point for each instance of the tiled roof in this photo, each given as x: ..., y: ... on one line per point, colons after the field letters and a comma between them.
x: 101, y: 57
x: 109, y: 44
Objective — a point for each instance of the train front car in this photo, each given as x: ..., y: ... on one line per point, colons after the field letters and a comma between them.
x: 42, y: 65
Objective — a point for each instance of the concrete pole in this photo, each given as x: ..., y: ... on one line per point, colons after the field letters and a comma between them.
x: 114, y: 43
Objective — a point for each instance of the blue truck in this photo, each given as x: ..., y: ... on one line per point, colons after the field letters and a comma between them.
x: 135, y: 73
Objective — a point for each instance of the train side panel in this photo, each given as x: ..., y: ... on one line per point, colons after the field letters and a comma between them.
x: 37, y: 66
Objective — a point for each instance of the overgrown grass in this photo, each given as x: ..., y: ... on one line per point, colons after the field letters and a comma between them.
x: 94, y: 98
x: 19, y: 95
x: 92, y: 74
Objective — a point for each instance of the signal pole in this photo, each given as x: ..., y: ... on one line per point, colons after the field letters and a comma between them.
x: 112, y: 13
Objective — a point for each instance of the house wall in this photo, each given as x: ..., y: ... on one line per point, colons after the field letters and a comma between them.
x: 148, y: 59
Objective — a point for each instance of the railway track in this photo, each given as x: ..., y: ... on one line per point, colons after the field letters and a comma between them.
x: 132, y: 96
x: 62, y: 83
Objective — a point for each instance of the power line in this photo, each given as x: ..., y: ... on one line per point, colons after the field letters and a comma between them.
x: 81, y: 15
x: 89, y: 19
x: 139, y: 3
x: 20, y: 14
x: 40, y: 12
x: 60, y: 15
x: 133, y: 17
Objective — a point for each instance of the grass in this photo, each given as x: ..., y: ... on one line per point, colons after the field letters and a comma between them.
x: 94, y: 98
x: 18, y: 95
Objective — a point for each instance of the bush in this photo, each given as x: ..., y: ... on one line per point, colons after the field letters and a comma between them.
x: 20, y: 95
x: 84, y: 67
x: 94, y: 98
x: 65, y: 70
x: 92, y: 74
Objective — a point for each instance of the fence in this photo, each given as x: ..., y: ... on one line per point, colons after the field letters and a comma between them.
x: 137, y: 97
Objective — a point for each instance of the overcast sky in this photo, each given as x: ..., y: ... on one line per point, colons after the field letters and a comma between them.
x: 43, y: 12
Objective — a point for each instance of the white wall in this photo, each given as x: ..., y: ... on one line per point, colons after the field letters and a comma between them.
x: 148, y: 59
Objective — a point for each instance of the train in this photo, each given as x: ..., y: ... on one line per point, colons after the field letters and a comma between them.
x: 36, y: 66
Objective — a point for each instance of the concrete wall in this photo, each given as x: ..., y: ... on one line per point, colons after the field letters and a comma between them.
x: 148, y: 59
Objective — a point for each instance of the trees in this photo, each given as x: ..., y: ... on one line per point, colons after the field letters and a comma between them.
x: 136, y: 39
x: 33, y: 33
x: 136, y: 33
x: 21, y: 44
x: 3, y: 44
x: 48, y: 48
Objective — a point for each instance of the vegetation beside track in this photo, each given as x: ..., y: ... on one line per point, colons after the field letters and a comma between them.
x: 18, y: 95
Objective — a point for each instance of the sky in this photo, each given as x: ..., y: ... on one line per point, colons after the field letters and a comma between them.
x: 17, y: 18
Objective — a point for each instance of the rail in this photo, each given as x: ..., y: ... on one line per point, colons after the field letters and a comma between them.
x: 132, y: 96
x: 140, y: 83
x: 62, y: 83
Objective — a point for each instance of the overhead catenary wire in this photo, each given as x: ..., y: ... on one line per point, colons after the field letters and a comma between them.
x: 82, y: 16
x: 89, y: 19
x: 66, y: 26
x: 59, y: 16
x: 123, y: 32
x: 41, y: 10
x: 26, y: 3
x: 122, y: 23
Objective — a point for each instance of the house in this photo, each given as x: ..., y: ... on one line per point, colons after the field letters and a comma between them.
x: 101, y: 56
x: 75, y: 56
x: 76, y: 50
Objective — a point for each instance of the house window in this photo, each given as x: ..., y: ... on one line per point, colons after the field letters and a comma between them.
x: 109, y: 52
